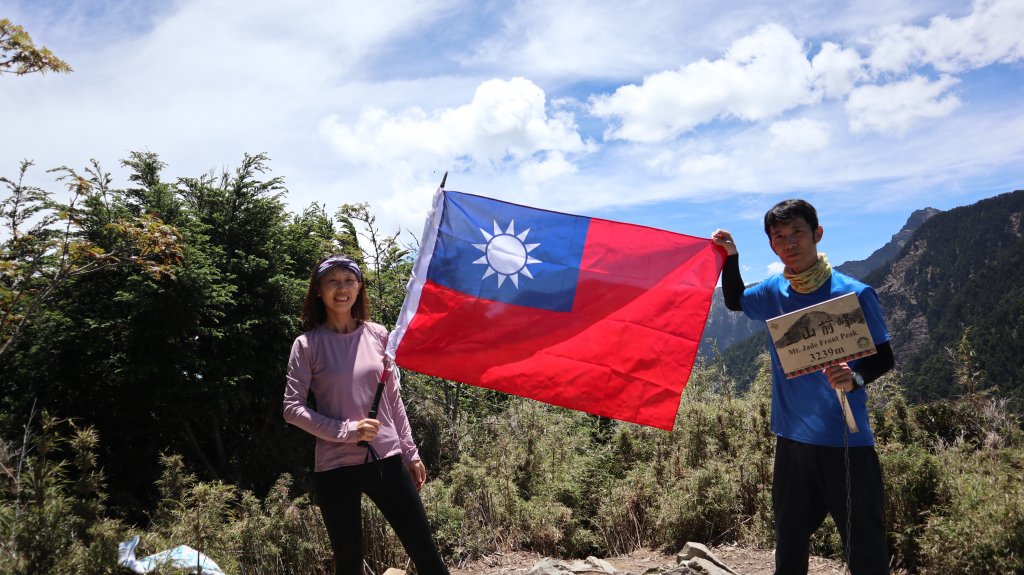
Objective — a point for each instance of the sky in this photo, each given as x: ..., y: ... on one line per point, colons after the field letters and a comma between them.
x: 681, y: 115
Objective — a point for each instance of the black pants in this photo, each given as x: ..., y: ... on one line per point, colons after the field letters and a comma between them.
x: 810, y: 482
x: 389, y: 485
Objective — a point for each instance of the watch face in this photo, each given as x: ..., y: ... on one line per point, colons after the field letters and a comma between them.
x: 858, y: 380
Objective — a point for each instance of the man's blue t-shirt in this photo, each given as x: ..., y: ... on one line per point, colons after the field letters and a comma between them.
x: 806, y: 408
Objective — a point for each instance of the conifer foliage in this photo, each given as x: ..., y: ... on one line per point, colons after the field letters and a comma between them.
x: 19, y: 55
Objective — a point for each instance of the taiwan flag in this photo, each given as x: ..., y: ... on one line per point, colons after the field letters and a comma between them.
x: 584, y: 313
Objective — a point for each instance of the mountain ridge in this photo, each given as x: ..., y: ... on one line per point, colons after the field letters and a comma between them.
x: 961, y: 276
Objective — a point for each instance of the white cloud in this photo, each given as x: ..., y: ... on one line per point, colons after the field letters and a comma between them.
x: 703, y: 165
x: 838, y: 69
x: 893, y: 108
x: 553, y: 166
x: 203, y: 83
x: 568, y: 39
x: 775, y: 268
x: 359, y: 104
x: 767, y: 73
x: 800, y: 135
x: 690, y: 157
x: 761, y: 75
x: 506, y: 121
x: 990, y: 33
x: 557, y: 42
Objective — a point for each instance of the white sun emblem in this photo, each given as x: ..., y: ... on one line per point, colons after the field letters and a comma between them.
x: 506, y: 254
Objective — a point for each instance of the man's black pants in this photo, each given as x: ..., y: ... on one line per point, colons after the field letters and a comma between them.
x: 389, y: 485
x: 810, y: 481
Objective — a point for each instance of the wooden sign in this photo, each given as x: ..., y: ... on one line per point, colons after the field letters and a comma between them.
x: 815, y: 337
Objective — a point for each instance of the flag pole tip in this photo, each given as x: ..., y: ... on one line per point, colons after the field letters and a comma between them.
x: 444, y: 179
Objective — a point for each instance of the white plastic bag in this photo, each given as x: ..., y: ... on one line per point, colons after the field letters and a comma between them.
x: 182, y: 557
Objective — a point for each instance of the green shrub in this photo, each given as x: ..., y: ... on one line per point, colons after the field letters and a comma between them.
x: 759, y: 529
x: 982, y: 529
x: 978, y: 420
x: 193, y: 513
x: 915, y: 485
x: 562, y: 483
x: 448, y: 520
x: 381, y: 547
x: 703, y: 505
x: 97, y: 556
x: 627, y: 510
x: 485, y: 507
x: 891, y: 417
x: 947, y: 423
x: 279, y: 534
x: 825, y: 542
x: 51, y: 502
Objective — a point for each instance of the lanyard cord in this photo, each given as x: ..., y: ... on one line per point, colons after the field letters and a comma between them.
x: 373, y: 410
x: 849, y: 498
x: 370, y: 451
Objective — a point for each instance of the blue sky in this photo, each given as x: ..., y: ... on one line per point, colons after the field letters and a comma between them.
x: 686, y: 116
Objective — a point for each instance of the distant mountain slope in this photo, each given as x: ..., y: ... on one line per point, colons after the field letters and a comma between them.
x: 860, y: 269
x: 724, y: 328
x: 963, y: 269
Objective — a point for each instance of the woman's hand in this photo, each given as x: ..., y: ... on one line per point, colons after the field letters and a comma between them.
x: 367, y: 429
x: 418, y: 472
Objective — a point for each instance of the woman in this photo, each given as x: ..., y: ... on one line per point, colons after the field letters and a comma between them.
x: 340, y: 358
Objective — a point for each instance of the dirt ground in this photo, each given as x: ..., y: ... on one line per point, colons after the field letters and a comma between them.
x: 741, y: 560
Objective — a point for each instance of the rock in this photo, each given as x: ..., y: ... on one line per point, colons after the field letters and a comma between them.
x: 694, y: 559
x: 591, y: 565
x: 548, y: 566
x: 602, y: 564
x: 705, y: 567
x: 680, y: 569
x: 394, y: 571
x: 697, y: 551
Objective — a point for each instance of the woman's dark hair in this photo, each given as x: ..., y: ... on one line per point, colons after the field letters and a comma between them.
x: 788, y: 210
x: 314, y: 312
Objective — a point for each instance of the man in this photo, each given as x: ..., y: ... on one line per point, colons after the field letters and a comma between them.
x: 811, y: 473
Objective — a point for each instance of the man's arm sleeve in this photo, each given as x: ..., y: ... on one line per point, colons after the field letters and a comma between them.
x: 732, y: 283
x: 874, y: 366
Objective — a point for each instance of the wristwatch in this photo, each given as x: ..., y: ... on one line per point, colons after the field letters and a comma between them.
x: 858, y: 380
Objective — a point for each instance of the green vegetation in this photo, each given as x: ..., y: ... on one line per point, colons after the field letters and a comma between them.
x: 960, y: 276
x: 741, y: 357
x: 562, y: 483
x: 19, y: 55
x: 142, y: 397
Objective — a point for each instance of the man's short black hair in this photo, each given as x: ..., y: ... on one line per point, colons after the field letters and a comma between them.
x: 786, y: 211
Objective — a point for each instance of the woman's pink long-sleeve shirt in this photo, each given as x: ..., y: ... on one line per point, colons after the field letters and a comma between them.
x: 342, y: 371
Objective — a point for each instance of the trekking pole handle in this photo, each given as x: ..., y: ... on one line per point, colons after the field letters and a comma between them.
x: 375, y: 406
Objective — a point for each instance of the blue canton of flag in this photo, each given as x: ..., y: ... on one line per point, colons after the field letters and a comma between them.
x: 508, y: 253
